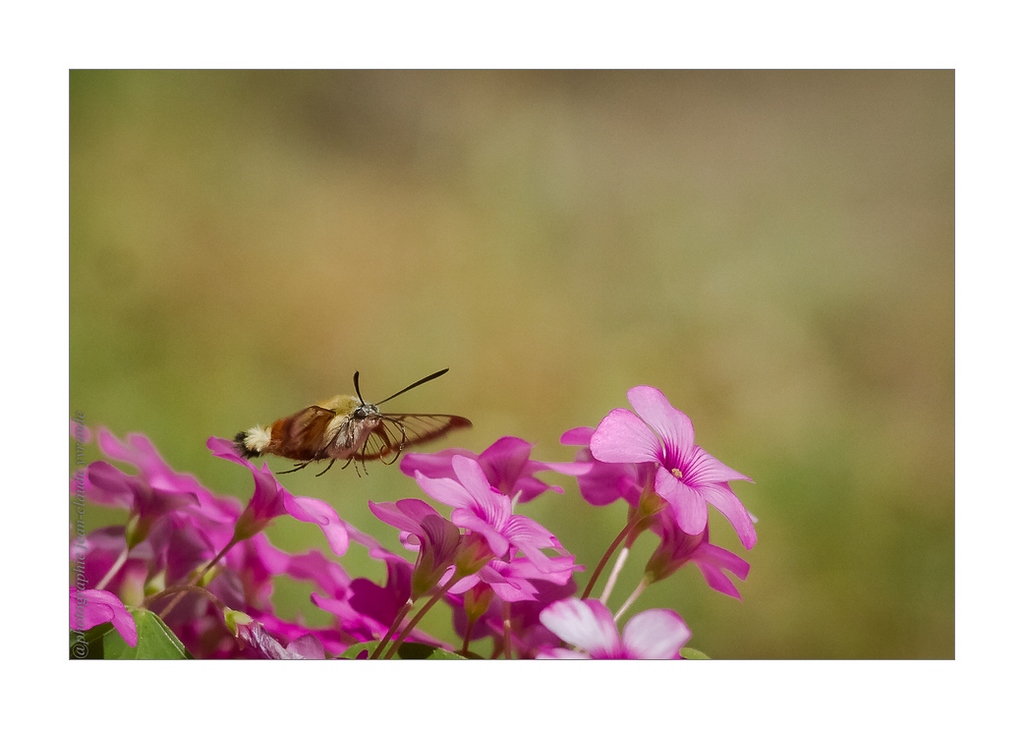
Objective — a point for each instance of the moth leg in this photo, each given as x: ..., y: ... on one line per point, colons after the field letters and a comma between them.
x: 297, y: 468
x: 350, y: 459
x: 326, y: 469
x: 401, y: 443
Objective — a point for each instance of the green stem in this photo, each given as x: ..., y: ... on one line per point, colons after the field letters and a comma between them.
x: 393, y: 629
x: 438, y: 594
x: 195, y: 581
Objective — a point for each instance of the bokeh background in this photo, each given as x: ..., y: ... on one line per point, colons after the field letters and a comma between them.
x: 773, y: 250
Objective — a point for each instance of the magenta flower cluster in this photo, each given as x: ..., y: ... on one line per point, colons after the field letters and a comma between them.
x: 203, y: 565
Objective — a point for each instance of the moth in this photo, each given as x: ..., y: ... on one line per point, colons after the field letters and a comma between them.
x: 347, y: 428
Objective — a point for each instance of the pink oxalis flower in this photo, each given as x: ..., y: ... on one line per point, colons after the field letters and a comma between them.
x: 481, y: 509
x: 589, y: 625
x: 271, y: 499
x: 506, y: 464
x: 688, y: 477
x: 95, y: 607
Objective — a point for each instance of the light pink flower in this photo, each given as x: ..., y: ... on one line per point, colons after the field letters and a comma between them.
x: 506, y: 464
x: 484, y: 511
x: 688, y: 477
x: 589, y: 625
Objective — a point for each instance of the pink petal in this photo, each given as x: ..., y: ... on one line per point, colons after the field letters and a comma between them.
x: 672, y: 425
x: 622, y: 437
x: 688, y: 505
x: 491, y: 505
x: 577, y: 436
x: 314, y: 511
x: 432, y: 465
x: 95, y: 607
x: 446, y: 490
x: 655, y: 634
x: 584, y: 623
x: 563, y: 653
x: 722, y: 498
x: 393, y: 515
x: 466, y: 519
x: 702, y: 468
x: 505, y: 459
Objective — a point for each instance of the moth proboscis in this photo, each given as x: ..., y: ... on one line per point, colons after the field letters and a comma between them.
x: 347, y: 428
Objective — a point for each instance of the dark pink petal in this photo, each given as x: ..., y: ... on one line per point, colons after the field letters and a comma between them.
x: 577, y: 436
x: 95, y: 607
x: 655, y: 410
x: 712, y: 561
x: 622, y: 437
x: 586, y: 624
x: 406, y: 514
x: 655, y: 634
x: 688, y: 505
x: 108, y: 485
x: 503, y: 461
x: 722, y: 498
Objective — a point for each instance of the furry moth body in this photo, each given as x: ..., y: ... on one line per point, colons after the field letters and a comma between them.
x: 346, y: 428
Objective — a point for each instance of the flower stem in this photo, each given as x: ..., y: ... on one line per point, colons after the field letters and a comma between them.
x: 118, y: 563
x: 616, y: 569
x: 438, y: 594
x: 393, y: 629
x: 198, y: 578
x: 506, y: 621
x: 632, y: 598
x: 470, y: 624
x: 607, y: 555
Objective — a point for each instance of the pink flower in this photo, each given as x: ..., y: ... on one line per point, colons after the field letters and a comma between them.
x: 95, y: 607
x: 271, y: 499
x: 603, y: 483
x: 506, y: 464
x: 484, y: 511
x: 437, y: 540
x: 678, y: 548
x: 589, y: 625
x: 688, y: 478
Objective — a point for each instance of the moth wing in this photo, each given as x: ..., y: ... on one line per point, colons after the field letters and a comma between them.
x: 396, y: 432
x: 303, y: 436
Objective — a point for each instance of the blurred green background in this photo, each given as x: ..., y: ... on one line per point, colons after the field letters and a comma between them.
x: 773, y: 250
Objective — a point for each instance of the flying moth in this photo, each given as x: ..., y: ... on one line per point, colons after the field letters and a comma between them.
x: 347, y: 428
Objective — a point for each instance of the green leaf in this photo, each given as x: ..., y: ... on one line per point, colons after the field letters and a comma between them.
x: 155, y: 640
x: 407, y: 651
x: 693, y: 654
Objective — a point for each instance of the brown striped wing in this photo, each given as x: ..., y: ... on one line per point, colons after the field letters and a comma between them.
x: 398, y: 432
x: 302, y: 436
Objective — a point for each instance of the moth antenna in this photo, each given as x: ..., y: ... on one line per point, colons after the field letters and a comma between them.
x: 428, y: 378
x: 355, y: 381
